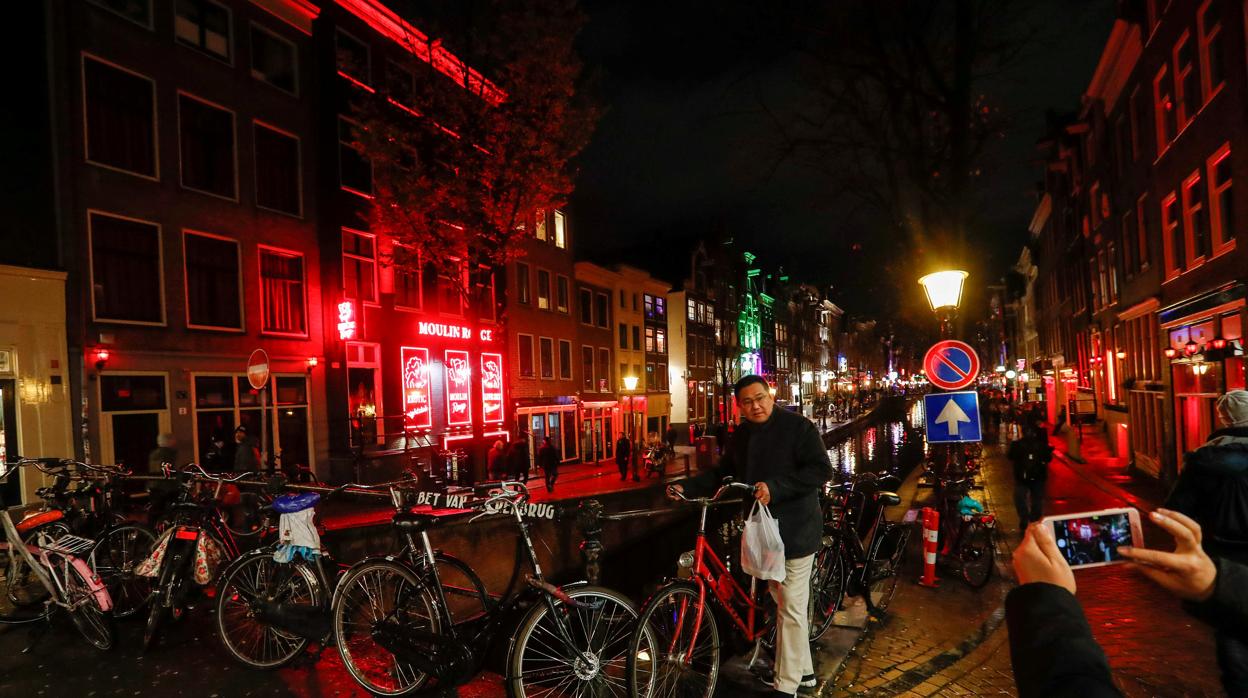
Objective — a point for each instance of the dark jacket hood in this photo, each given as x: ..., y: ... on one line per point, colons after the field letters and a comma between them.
x: 1225, y: 453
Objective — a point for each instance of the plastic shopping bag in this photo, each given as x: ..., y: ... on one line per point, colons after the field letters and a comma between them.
x: 762, y: 551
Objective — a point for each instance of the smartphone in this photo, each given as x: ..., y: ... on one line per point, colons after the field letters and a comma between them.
x: 1091, y: 538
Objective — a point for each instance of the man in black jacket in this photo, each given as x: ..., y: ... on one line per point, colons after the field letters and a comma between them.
x: 781, y: 453
x: 1030, y: 456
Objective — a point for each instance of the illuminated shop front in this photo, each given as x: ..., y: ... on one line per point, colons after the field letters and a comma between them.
x: 1206, y: 360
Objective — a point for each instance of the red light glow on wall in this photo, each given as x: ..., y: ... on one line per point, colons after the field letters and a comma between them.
x: 416, y: 397
x: 346, y: 320
x: 492, y: 388
x: 458, y: 387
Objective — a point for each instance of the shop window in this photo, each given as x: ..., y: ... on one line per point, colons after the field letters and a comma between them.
x: 359, y: 265
x: 1186, y: 82
x: 587, y: 368
x: 1195, y: 222
x: 206, y: 142
x: 120, y: 113
x: 562, y: 292
x: 523, y: 293
x: 282, y: 299
x: 546, y: 356
x: 354, y: 60
x: 274, y: 60
x: 1221, y: 203
x: 203, y: 25
x: 1163, y: 110
x: 213, y: 283
x: 543, y: 289
x: 1172, y: 235
x: 525, y: 354
x: 1209, y: 33
x: 565, y: 360
x: 561, y: 231
x: 126, y: 270
x: 278, y: 173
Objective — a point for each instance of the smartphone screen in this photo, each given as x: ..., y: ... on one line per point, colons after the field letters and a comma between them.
x: 1092, y: 539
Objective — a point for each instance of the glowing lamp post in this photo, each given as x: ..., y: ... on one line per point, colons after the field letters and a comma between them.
x: 630, y: 384
x: 944, y: 295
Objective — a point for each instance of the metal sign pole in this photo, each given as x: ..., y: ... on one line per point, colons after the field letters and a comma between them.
x: 264, y: 428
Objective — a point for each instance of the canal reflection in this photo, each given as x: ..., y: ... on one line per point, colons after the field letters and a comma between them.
x: 892, y: 445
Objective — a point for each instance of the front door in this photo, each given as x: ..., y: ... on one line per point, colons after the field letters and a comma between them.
x: 134, y: 438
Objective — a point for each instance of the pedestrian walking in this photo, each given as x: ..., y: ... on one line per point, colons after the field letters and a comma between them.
x: 782, y: 454
x: 623, y: 454
x: 670, y: 436
x: 496, y: 461
x: 166, y: 451
x: 246, y: 451
x: 1213, y: 489
x: 1030, y: 456
x: 518, y: 458
x: 548, y: 460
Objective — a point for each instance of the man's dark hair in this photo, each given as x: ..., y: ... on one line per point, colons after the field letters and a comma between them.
x: 746, y: 381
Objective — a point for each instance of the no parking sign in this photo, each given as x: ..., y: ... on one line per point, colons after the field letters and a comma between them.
x: 951, y: 365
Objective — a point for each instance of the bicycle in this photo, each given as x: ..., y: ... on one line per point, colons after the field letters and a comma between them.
x: 966, y: 539
x: 656, y: 459
x: 65, y: 580
x: 675, y: 647
x: 844, y: 565
x: 396, y: 633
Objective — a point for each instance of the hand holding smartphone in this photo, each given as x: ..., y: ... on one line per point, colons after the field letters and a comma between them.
x: 1092, y: 538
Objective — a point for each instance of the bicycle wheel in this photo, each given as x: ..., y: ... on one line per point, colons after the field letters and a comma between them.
x: 827, y: 589
x: 255, y: 582
x: 27, y: 590
x: 373, y: 593
x: 115, y: 556
x: 578, y: 650
x: 22, y: 588
x: 674, y: 652
x: 93, y: 622
x: 976, y: 554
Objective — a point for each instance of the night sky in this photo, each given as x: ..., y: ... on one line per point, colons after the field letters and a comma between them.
x: 685, y: 145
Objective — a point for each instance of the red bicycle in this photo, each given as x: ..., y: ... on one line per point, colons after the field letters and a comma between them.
x: 675, y: 647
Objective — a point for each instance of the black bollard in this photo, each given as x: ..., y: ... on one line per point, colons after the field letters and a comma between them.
x: 589, y: 518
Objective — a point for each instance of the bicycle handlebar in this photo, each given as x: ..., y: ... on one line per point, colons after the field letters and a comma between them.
x: 719, y: 493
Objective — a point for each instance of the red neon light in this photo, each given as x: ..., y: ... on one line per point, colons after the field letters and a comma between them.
x: 438, y: 329
x: 346, y: 320
x: 458, y: 387
x: 487, y: 335
x: 492, y: 388
x: 416, y: 399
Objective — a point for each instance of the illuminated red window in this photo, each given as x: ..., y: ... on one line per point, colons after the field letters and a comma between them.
x: 492, y: 388
x: 458, y: 387
x: 416, y: 389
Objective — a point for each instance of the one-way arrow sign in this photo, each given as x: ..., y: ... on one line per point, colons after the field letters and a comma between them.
x: 952, y: 417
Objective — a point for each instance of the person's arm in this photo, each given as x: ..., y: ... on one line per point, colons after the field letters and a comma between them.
x: 707, y: 481
x: 1230, y: 592
x: 1051, y: 646
x: 812, y: 469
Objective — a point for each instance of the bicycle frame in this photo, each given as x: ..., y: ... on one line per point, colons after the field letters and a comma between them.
x: 710, y: 570
x: 40, y: 560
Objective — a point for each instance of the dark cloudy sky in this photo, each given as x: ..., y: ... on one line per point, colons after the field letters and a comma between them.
x: 685, y: 146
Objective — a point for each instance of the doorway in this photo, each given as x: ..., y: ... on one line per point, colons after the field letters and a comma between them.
x: 11, y: 490
x: 134, y: 410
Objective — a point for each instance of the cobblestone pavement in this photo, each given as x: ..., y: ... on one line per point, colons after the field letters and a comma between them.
x: 953, y: 641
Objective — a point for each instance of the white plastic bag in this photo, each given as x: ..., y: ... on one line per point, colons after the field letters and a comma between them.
x: 762, y: 551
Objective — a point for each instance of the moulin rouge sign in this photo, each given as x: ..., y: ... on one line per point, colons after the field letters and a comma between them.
x: 440, y: 329
x: 416, y: 398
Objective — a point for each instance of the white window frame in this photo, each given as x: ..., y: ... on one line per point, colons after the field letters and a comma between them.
x: 234, y: 149
x: 1222, y: 240
x: 307, y: 318
x: 160, y: 266
x: 86, y: 135
x: 560, y: 233
x: 571, y: 358
x: 593, y: 371
x: 229, y: 40
x: 105, y: 418
x: 420, y: 287
x: 344, y: 255
x: 238, y: 259
x: 253, y: 26
x: 372, y: 171
x: 567, y: 286
x: 550, y: 287
x: 367, y: 80
x: 520, y: 338
x: 541, y: 366
x: 258, y: 124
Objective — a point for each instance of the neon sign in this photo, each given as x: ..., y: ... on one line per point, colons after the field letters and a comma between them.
x: 416, y: 398
x: 492, y: 388
x: 441, y: 329
x: 346, y: 320
x: 458, y: 387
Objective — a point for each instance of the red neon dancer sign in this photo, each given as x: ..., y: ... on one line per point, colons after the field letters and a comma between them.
x: 492, y: 388
x: 346, y: 320
x: 416, y: 398
x: 458, y: 387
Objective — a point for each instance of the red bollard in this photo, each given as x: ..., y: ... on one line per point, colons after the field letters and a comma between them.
x: 931, y: 531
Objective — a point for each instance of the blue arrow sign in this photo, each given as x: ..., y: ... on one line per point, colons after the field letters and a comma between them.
x: 952, y: 417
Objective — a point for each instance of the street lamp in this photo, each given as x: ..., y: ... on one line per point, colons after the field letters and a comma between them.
x: 630, y: 384
x: 944, y: 295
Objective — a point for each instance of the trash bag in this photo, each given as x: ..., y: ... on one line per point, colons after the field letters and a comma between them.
x: 762, y: 551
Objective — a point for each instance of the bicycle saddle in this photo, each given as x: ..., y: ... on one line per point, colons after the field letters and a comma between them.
x: 888, y: 499
x: 291, y: 503
x: 408, y: 521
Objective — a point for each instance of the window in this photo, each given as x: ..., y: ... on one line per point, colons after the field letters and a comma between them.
x: 660, y: 308
x: 692, y: 309
x: 1112, y: 261
x: 278, y: 174
x: 1122, y: 145
x: 1141, y: 221
x: 1129, y: 243
x: 623, y: 372
x: 546, y: 356
x: 222, y: 401
x: 1098, y: 281
x: 355, y: 172
x: 622, y: 303
x: 651, y: 382
x: 650, y: 340
x: 636, y: 338
x: 1221, y: 205
x: 359, y: 266
x: 274, y: 60
x: 1172, y: 235
x: 522, y: 283
x: 1195, y: 220
x: 565, y: 360
x: 137, y: 11
x: 623, y: 336
x: 409, y: 284
x: 1094, y: 203
x: 204, y: 25
x: 561, y: 231
x: 1136, y: 107
x: 120, y: 115
x: 126, y: 270
x: 543, y: 289
x: 1209, y: 34
x: 206, y: 142
x: 561, y: 293
x: 660, y: 341
x: 662, y: 377
x: 604, y: 303
x: 1163, y: 110
x: 587, y: 368
x: 604, y: 368
x: 586, y: 298
x: 213, y: 282
x: 451, y: 283
x: 400, y: 85
x: 353, y: 58
x: 635, y: 301
x: 1186, y: 85
x: 486, y: 300
x: 649, y: 306
x: 281, y: 292
x: 526, y: 355
x: 539, y: 230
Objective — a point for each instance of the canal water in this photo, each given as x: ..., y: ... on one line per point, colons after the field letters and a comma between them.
x: 892, y: 444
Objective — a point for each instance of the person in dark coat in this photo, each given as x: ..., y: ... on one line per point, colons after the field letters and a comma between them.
x: 781, y: 453
x: 1030, y: 456
x: 1213, y: 489
x: 518, y: 458
x: 623, y: 454
x: 671, y: 436
x: 496, y: 461
x: 246, y: 451
x: 548, y: 460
